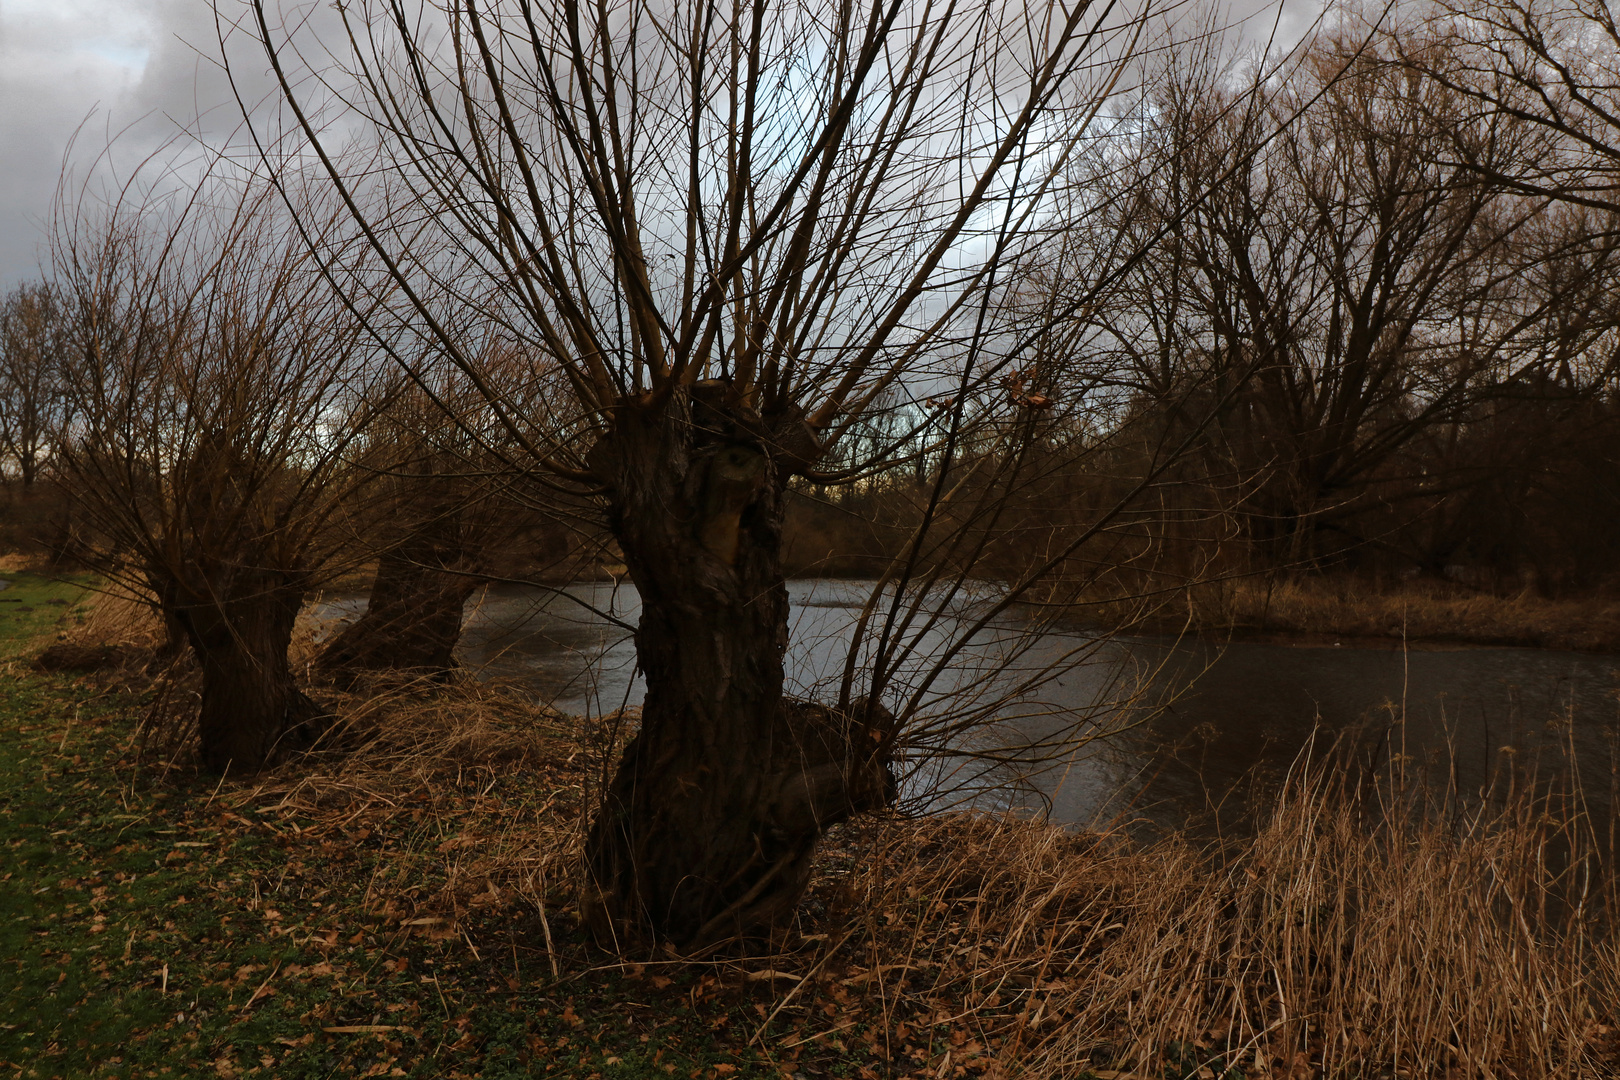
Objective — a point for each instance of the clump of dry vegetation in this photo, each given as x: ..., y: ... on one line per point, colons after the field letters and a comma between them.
x: 411, y: 749
x: 1344, y: 938
x: 1356, y: 933
x: 1349, y: 606
x: 114, y: 630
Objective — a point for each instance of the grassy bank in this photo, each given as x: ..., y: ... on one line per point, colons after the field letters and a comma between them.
x: 1352, y: 609
x: 404, y: 908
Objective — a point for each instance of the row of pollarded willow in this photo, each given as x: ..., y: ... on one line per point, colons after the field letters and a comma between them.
x: 233, y: 434
x: 757, y: 244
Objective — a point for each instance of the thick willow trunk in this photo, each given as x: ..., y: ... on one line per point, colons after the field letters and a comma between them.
x: 413, y: 618
x: 252, y: 713
x: 708, y: 829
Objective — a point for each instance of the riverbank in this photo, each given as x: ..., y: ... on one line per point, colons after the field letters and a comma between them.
x: 404, y: 908
x: 1351, y: 611
x: 1322, y: 611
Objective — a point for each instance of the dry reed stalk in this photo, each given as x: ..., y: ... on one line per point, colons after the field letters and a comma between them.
x: 1416, y: 610
x: 114, y: 619
x: 1365, y: 929
x: 419, y: 749
x: 1359, y: 932
x: 1346, y: 938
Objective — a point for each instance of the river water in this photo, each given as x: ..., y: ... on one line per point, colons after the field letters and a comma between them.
x: 1190, y: 731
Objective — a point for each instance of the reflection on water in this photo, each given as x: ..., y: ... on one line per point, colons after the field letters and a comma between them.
x: 1240, y: 715
x: 1217, y: 722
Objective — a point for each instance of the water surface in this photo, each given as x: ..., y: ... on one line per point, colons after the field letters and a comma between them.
x: 1206, y: 726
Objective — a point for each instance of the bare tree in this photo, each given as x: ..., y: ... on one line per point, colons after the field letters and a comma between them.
x: 215, y: 405
x: 1359, y: 284
x: 1554, y: 66
x: 737, y: 230
x: 34, y: 357
x: 429, y: 553
x: 451, y: 504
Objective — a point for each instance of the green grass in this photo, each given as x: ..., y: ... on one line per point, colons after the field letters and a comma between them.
x: 31, y: 605
x: 149, y: 932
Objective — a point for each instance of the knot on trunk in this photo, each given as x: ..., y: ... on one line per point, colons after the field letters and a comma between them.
x: 832, y: 766
x: 726, y: 858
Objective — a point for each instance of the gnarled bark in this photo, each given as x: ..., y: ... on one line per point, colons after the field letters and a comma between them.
x: 707, y: 830
x: 413, y: 617
x: 252, y: 712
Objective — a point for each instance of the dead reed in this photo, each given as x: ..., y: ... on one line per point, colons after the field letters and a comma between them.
x: 114, y: 619
x: 1365, y: 929
x: 1415, y: 610
x: 1358, y: 933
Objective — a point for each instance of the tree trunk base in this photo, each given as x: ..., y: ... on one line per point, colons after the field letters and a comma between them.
x: 252, y: 713
x: 726, y: 860
x: 413, y: 617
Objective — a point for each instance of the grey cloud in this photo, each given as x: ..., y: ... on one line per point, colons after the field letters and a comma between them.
x: 138, y: 69
x: 127, y: 71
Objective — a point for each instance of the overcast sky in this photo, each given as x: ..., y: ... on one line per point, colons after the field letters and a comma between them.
x: 134, y: 68
x: 97, y: 66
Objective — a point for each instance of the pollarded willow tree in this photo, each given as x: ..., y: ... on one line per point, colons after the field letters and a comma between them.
x: 734, y: 228
x: 218, y: 388
x: 451, y: 509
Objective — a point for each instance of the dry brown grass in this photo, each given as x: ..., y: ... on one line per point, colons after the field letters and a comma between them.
x: 504, y: 779
x: 13, y: 561
x: 1345, y: 939
x: 113, y: 619
x: 1358, y: 933
x: 1349, y: 607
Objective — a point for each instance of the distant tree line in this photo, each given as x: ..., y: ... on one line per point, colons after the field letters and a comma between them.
x: 1383, y: 320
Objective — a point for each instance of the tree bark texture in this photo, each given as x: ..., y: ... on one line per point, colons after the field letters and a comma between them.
x: 252, y: 712
x: 707, y: 831
x: 413, y: 617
